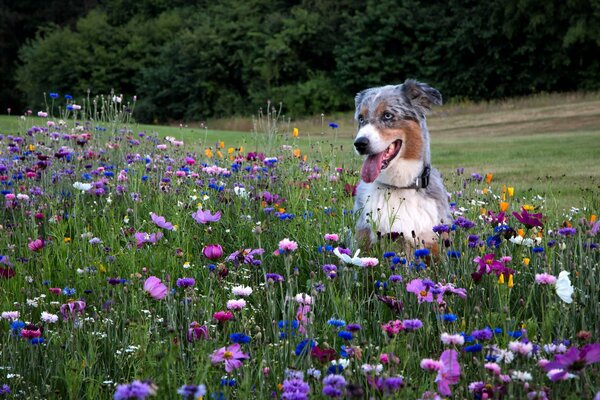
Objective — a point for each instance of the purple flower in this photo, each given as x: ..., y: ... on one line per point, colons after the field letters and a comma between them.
x: 143, y: 237
x: 185, y: 282
x: 245, y: 256
x: 192, y: 391
x: 334, y: 385
x: 567, y: 231
x: 464, y: 223
x: 273, y: 277
x: 574, y: 360
x: 483, y: 334
x: 330, y: 270
x: 412, y: 324
x: 196, y: 332
x: 295, y: 389
x: 161, y: 222
x: 204, y: 217
x: 135, y: 390
x: 212, y: 251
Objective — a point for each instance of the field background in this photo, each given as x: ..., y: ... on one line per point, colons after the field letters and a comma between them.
x: 545, y: 144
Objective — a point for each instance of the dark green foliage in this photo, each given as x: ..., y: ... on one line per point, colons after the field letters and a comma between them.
x: 192, y: 62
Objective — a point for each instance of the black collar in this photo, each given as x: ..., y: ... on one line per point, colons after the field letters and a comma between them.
x: 420, y: 182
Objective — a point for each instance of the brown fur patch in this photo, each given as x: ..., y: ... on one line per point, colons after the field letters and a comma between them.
x: 381, y: 108
x: 412, y: 139
x: 364, y: 111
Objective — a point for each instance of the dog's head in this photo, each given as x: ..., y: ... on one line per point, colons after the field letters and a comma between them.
x: 391, y: 127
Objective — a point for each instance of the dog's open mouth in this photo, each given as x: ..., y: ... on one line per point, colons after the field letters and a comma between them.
x: 374, y: 163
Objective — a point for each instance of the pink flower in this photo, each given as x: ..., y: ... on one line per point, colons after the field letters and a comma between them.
x: 450, y: 372
x: 493, y: 368
x: 222, y: 316
x: 231, y: 355
x: 522, y: 348
x: 161, y: 222
x: 12, y: 315
x: 155, y: 288
x: 449, y: 339
x: 431, y: 365
x: 203, y: 217
x: 143, y: 237
x: 545, y: 279
x: 72, y: 308
x: 286, y: 246
x: 392, y: 328
x: 369, y: 262
x: 422, y: 291
x: 36, y: 245
x: 332, y: 237
x: 212, y: 251
x: 236, y: 305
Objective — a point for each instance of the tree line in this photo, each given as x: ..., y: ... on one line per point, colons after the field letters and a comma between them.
x: 218, y: 58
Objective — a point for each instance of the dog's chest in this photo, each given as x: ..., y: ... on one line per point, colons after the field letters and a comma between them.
x: 403, y: 211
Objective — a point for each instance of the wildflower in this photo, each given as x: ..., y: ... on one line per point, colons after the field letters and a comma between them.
x: 196, y: 332
x: 236, y: 305
x: 185, y: 282
x: 346, y: 258
x: 155, y: 288
x: 333, y: 125
x: 522, y: 348
x: 574, y: 360
x: 36, y: 245
x: 49, y: 318
x: 245, y: 256
x: 222, y: 316
x: 239, y: 338
x: 353, y: 327
x: 338, y: 323
x: 331, y: 237
x: 448, y: 339
x: 212, y: 251
x: 242, y: 291
x: 367, y: 262
x: 11, y: 315
x: 286, y: 246
x: 334, y: 385
x: 523, y: 376
x: 72, y: 309
x: 84, y: 187
x: 204, y: 217
x: 295, y: 389
x: 567, y: 231
x: 330, y: 270
x: 429, y: 364
x: 135, y: 390
x: 392, y: 328
x: 412, y: 324
x: 529, y: 220
x: 161, y: 222
x: 143, y: 237
x: 483, y: 334
x: 272, y: 277
x: 418, y: 287
x: 345, y: 335
x: 191, y: 392
x: 564, y: 289
x: 230, y: 355
x: 449, y: 374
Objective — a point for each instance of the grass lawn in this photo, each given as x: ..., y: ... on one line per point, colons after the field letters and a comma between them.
x: 545, y: 145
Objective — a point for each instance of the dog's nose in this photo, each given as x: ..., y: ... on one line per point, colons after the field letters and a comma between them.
x: 361, y: 144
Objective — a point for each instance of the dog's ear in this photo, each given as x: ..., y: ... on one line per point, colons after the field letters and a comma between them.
x: 360, y: 96
x: 421, y: 95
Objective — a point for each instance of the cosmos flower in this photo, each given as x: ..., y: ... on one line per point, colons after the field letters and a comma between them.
x: 529, y: 220
x: 212, y: 251
x: 449, y: 374
x: 564, y: 289
x: 573, y: 361
x: 161, y: 222
x: 155, y: 288
x: 230, y: 355
x: 204, y: 217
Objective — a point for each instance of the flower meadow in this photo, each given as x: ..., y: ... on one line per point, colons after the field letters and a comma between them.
x: 139, y: 266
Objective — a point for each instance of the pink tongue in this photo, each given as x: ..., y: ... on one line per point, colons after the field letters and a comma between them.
x: 372, y: 167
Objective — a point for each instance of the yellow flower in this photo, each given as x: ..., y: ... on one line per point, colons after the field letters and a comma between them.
x: 295, y: 133
x: 241, y: 149
x: 488, y: 178
x: 510, y: 281
x: 528, y: 207
x: 230, y: 150
x: 593, y: 218
x: 503, y: 206
x: 526, y: 261
x: 296, y: 153
x: 281, y: 210
x: 511, y: 191
x: 304, y: 157
x: 31, y: 147
x: 482, y: 211
x: 485, y: 190
x: 222, y: 144
x: 219, y: 154
x: 67, y: 239
x: 102, y: 268
x: 208, y: 153
x: 501, y: 279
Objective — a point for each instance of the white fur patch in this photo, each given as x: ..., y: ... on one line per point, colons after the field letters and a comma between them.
x: 403, y: 211
x: 376, y: 144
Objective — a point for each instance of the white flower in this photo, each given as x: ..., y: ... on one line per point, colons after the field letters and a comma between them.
x: 303, y: 298
x: 82, y: 186
x: 347, y: 259
x: 49, y: 318
x: 564, y: 289
x: 524, y: 349
x: 521, y: 376
x: 11, y: 315
x: 344, y: 362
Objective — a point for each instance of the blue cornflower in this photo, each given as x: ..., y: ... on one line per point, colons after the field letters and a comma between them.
x: 335, y: 369
x: 421, y: 253
x: 389, y: 254
x: 54, y: 95
x: 538, y: 249
x: 473, y: 348
x: 301, y: 347
x: 68, y: 97
x: 338, y: 323
x: 449, y: 317
x: 398, y: 260
x: 239, y: 338
x: 37, y: 340
x: 345, y: 335
x: 228, y: 382
x: 453, y: 254
x: 16, y: 327
x: 333, y: 125
x: 515, y: 334
x: 67, y: 291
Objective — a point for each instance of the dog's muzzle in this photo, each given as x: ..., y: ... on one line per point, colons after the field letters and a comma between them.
x: 361, y: 144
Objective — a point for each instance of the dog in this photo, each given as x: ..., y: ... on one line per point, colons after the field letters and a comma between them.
x: 399, y: 194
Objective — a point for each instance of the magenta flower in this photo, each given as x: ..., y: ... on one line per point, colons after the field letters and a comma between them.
x: 161, y: 222
x: 196, y: 332
x: 529, y: 220
x: 212, y: 251
x: 36, y: 245
x: 574, y: 360
x: 143, y: 237
x: 450, y: 372
x: 545, y: 279
x: 222, y: 316
x: 231, y: 355
x: 155, y: 288
x: 286, y: 246
x: 204, y: 217
x: 392, y: 328
x: 245, y: 256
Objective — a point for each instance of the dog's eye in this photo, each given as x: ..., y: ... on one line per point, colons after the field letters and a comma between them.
x: 387, y: 116
x: 361, y: 119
